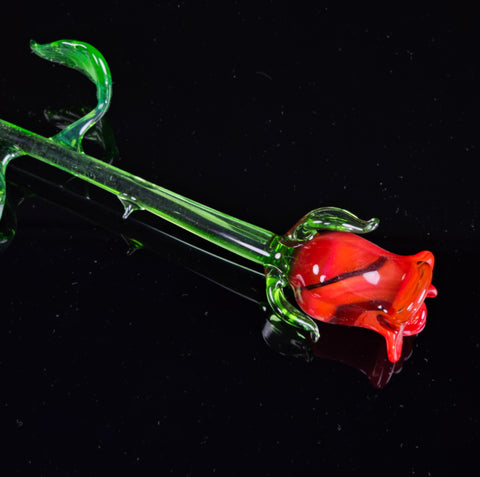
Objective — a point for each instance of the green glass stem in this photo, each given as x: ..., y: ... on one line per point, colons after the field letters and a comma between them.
x: 135, y: 193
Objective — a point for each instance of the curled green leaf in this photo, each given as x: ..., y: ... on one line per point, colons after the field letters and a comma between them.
x: 329, y: 218
x: 89, y: 61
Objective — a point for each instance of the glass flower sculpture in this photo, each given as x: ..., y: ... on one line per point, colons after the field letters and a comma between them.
x: 336, y: 276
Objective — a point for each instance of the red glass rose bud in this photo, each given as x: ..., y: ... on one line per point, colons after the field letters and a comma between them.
x: 341, y: 278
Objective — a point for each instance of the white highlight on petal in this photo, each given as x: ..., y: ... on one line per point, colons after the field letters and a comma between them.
x: 299, y: 277
x: 316, y: 269
x: 372, y: 277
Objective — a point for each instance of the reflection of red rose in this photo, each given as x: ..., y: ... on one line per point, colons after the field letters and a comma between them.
x: 341, y: 278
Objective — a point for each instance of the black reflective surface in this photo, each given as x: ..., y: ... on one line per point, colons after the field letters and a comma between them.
x: 115, y: 362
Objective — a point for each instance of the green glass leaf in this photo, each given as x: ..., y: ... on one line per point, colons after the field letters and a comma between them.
x: 89, y: 61
x: 276, y: 283
x: 329, y: 218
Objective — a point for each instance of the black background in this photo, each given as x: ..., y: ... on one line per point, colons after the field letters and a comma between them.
x: 114, y: 363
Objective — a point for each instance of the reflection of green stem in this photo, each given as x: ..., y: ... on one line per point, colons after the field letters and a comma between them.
x: 228, y: 232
